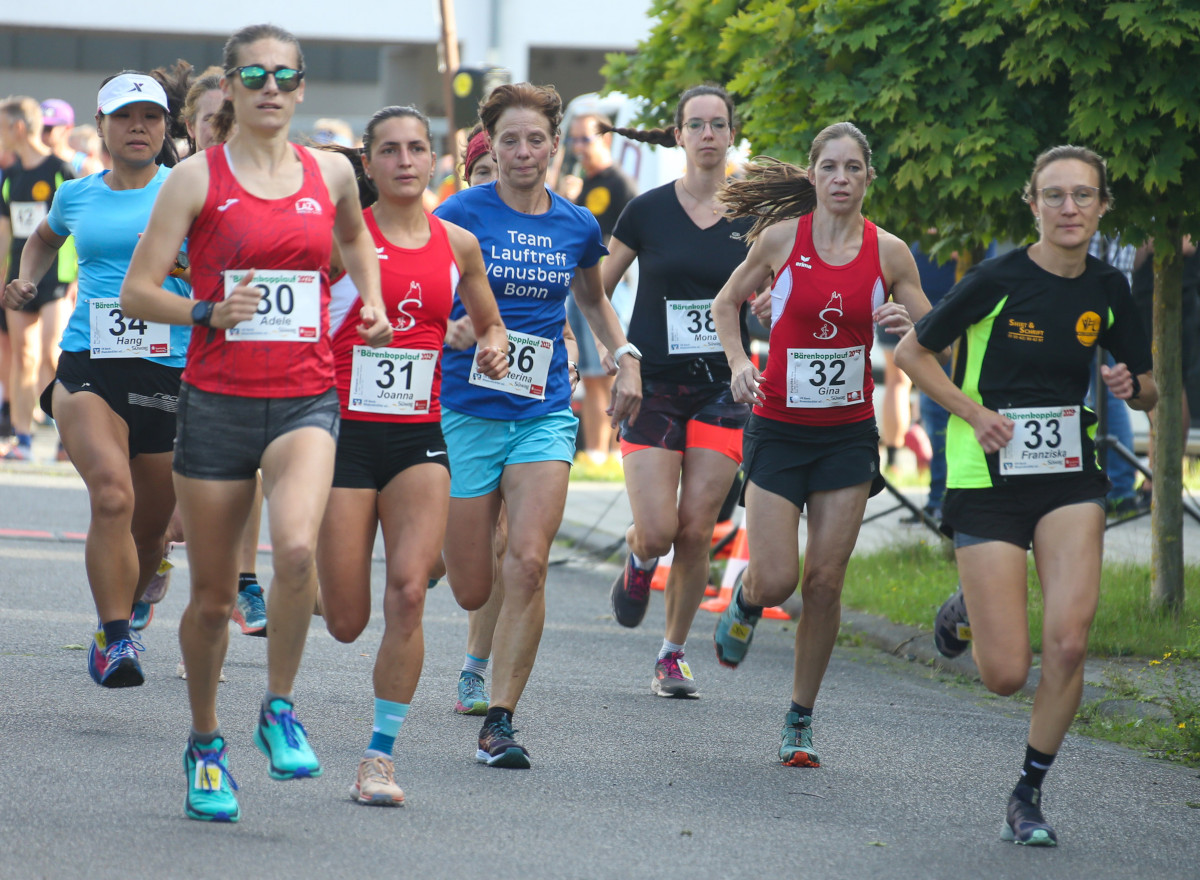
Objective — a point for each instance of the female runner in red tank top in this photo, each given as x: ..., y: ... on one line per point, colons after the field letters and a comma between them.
x: 811, y: 441
x: 392, y: 467
x: 260, y: 215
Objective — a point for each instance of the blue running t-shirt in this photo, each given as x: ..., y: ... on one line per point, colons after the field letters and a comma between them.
x: 530, y: 259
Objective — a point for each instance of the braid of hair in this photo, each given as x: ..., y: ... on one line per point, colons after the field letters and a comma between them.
x: 771, y: 192
x: 658, y: 137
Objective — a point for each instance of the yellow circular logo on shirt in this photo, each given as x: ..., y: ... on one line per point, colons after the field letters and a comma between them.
x: 41, y: 191
x: 1087, y: 329
x: 598, y: 200
x: 461, y: 84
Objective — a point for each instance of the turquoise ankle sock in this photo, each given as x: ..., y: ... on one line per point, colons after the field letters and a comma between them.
x: 388, y: 718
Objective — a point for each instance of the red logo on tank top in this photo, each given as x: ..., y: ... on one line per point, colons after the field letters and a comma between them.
x: 308, y: 205
x: 833, y: 307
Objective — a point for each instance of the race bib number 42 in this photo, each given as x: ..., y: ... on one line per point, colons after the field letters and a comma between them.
x: 818, y: 377
x: 391, y: 381
x: 289, y: 311
x: 1046, y: 440
x: 528, y: 366
x: 115, y: 336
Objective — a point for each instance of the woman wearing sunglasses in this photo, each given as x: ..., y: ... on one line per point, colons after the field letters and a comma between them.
x: 260, y: 215
x: 682, y: 455
x: 1022, y: 465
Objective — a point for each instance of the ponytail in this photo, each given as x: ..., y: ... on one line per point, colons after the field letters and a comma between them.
x: 771, y: 192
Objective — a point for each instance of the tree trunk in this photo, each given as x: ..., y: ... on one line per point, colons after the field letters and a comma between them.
x: 1166, y: 519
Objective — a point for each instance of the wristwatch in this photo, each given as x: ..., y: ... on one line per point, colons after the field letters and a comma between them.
x: 202, y: 312
x: 627, y: 348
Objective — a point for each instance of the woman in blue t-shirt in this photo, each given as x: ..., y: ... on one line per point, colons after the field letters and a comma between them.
x: 514, y: 439
x: 120, y: 434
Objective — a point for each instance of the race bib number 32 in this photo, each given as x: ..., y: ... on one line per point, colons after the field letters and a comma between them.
x: 289, y: 311
x: 113, y: 335
x: 528, y: 366
x: 820, y: 377
x: 391, y: 381
x: 1046, y: 440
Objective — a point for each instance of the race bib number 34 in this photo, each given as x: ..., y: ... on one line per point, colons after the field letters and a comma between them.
x: 1046, y: 440
x: 818, y: 377
x: 690, y: 327
x: 115, y: 336
x: 289, y: 311
x: 391, y: 381
x: 528, y: 366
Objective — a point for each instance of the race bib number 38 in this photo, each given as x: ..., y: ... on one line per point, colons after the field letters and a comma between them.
x: 690, y: 327
x: 113, y: 335
x: 528, y: 366
x: 289, y: 311
x: 391, y: 381
x: 818, y: 377
x: 1046, y: 440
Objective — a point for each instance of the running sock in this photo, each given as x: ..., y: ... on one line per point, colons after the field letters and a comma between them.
x: 478, y: 665
x: 496, y: 713
x: 802, y: 711
x: 272, y: 697
x: 669, y: 648
x: 891, y: 455
x: 247, y: 579
x: 24, y: 439
x: 388, y: 718
x: 644, y: 564
x: 1036, y: 765
x: 745, y: 607
x: 115, y: 630
x: 205, y: 739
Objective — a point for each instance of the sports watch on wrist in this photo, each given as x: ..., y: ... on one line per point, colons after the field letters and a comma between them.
x: 628, y: 348
x: 202, y: 312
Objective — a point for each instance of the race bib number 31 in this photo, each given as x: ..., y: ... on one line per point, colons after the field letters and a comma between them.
x: 391, y: 381
x: 819, y: 377
x: 528, y: 366
x: 690, y: 327
x: 289, y: 311
x: 1046, y: 440
x: 115, y: 336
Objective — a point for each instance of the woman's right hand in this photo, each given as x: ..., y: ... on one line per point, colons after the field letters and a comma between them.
x: 992, y: 430
x: 745, y: 384
x: 18, y: 292
x: 460, y: 334
x: 240, y: 305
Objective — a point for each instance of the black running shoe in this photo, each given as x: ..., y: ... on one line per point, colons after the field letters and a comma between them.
x: 497, y: 748
x: 631, y: 593
x: 951, y: 629
x: 1025, y: 823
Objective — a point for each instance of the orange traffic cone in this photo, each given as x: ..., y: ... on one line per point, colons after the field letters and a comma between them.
x: 739, y: 558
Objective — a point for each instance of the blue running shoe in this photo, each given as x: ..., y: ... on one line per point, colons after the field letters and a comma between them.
x: 1025, y: 824
x: 497, y: 748
x: 795, y: 747
x: 115, y: 665
x: 250, y: 611
x: 734, y: 631
x: 143, y: 613
x: 282, y: 739
x: 210, y: 789
x: 472, y: 694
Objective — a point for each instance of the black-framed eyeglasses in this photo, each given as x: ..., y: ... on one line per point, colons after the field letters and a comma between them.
x: 254, y: 77
x: 695, y: 126
x: 1082, y: 196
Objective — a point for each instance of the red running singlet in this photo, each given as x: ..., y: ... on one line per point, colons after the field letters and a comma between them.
x: 819, y: 368
x: 401, y: 383
x: 285, y: 351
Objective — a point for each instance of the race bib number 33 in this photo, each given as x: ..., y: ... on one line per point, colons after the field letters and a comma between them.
x: 1046, y: 440
x: 290, y: 308
x: 528, y: 366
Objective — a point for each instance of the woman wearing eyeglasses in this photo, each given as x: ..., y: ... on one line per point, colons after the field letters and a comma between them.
x: 1022, y: 467
x: 681, y: 456
x: 260, y: 215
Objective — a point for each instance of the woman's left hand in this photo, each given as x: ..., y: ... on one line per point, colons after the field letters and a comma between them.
x: 893, y: 318
x: 1118, y: 379
x: 373, y: 327
x: 492, y: 362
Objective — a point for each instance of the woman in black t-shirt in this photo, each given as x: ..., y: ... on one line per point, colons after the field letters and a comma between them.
x: 1021, y: 464
x: 681, y: 456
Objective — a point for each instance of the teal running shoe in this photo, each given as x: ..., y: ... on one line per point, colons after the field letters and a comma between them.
x: 250, y: 611
x: 1024, y: 823
x: 734, y: 631
x: 472, y: 694
x: 143, y: 613
x: 497, y: 748
x: 210, y: 790
x: 282, y: 739
x: 795, y: 747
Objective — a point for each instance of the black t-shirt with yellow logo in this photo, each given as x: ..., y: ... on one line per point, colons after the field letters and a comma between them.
x: 1026, y: 340
x: 606, y: 194
x: 25, y: 197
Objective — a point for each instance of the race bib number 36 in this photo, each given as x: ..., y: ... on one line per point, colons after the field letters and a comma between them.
x: 690, y: 327
x: 1046, y: 440
x: 115, y: 336
x: 528, y: 366
x: 391, y: 381
x: 818, y: 377
x: 289, y: 311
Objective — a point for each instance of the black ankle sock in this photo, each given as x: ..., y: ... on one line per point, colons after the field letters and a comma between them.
x: 1036, y: 765
x: 115, y: 630
x: 891, y: 455
x: 247, y: 579
x: 495, y: 713
x: 802, y: 711
x: 746, y: 608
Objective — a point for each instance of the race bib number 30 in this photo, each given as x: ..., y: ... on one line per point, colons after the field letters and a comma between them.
x: 690, y: 327
x: 391, y: 381
x: 1046, y: 440
x: 116, y: 336
x: 818, y: 377
x: 528, y: 366
x: 289, y: 311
